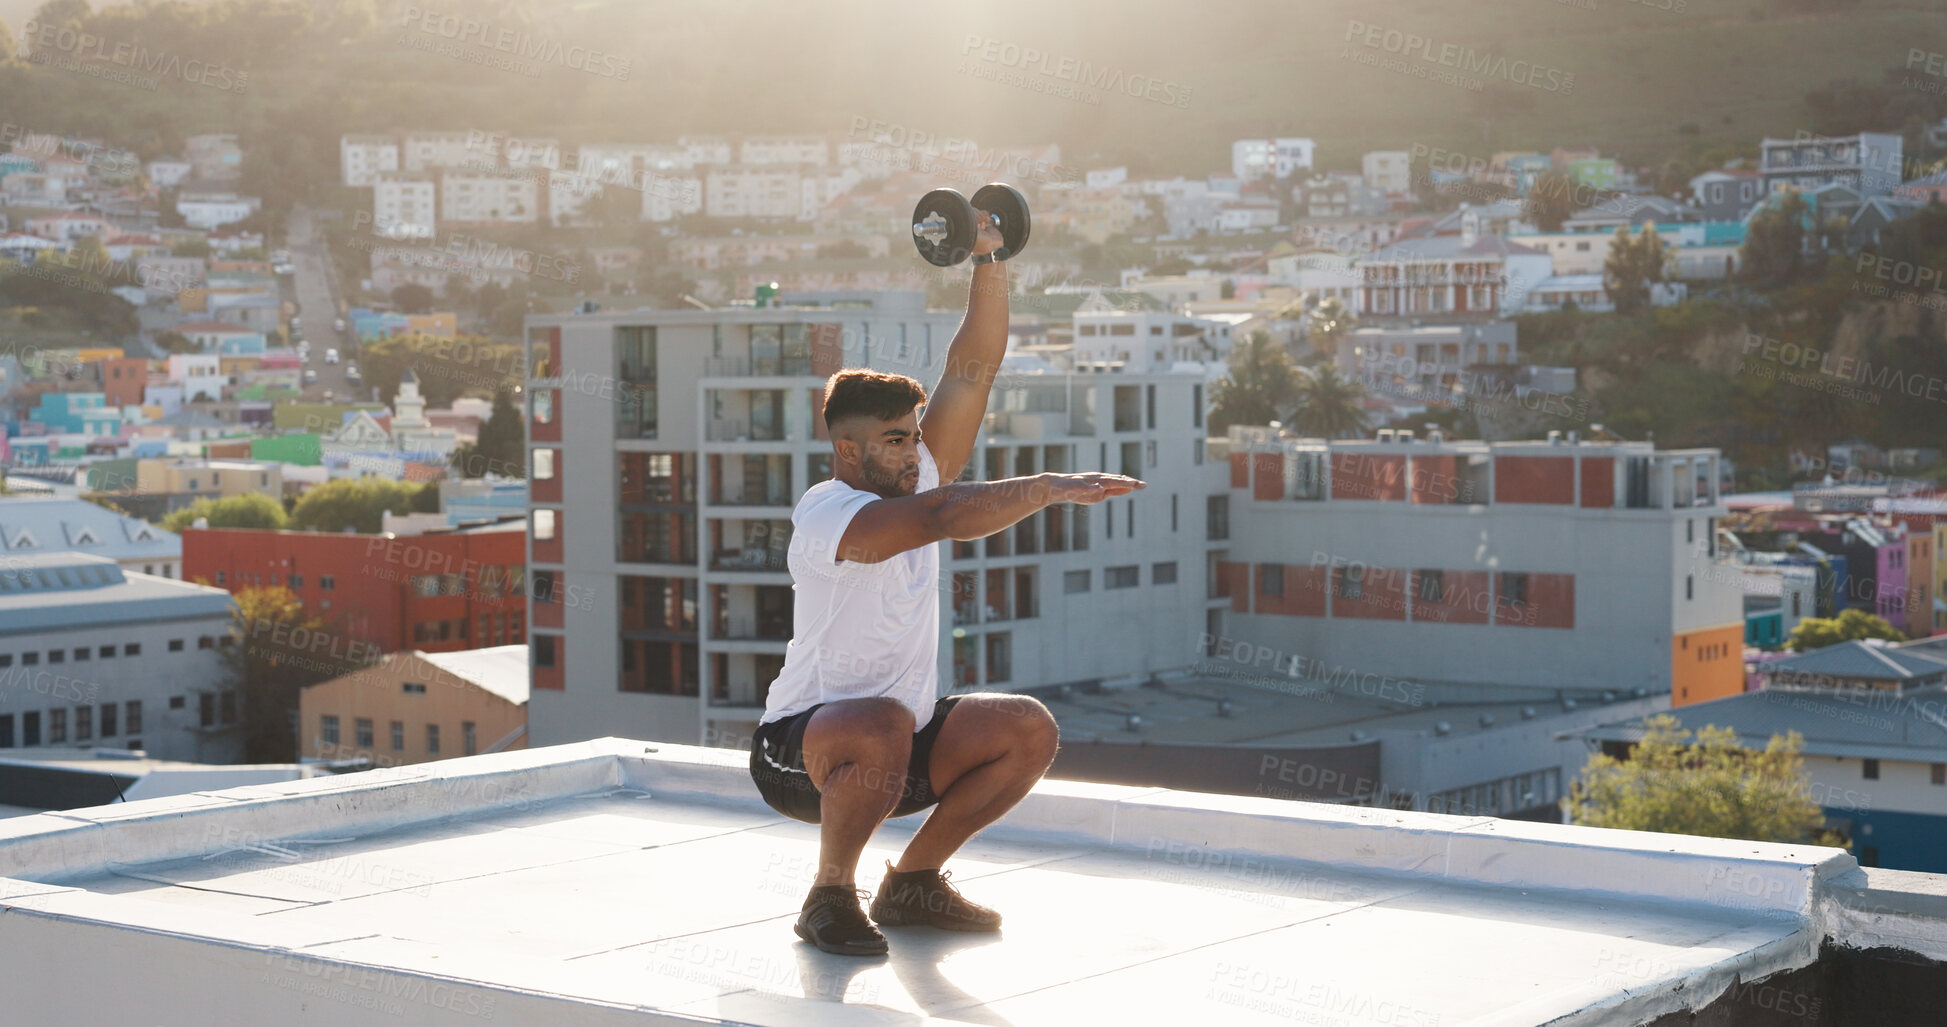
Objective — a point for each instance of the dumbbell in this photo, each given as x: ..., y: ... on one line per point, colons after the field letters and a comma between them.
x: 944, y: 226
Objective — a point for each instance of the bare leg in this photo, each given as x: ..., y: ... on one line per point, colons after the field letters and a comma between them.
x: 855, y: 751
x: 989, y: 754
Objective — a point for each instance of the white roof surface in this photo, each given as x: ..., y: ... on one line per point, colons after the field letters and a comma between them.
x: 501, y: 669
x: 615, y: 882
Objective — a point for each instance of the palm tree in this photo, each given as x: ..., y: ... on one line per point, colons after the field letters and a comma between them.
x: 1330, y: 320
x: 1261, y: 385
x: 1328, y: 405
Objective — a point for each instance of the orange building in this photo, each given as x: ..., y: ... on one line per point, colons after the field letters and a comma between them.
x: 414, y: 707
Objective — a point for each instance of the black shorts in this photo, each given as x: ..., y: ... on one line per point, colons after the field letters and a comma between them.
x: 777, y: 765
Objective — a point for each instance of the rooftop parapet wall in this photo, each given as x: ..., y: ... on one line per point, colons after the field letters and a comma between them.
x: 1769, y: 880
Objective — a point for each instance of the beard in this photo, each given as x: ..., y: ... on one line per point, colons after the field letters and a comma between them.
x: 888, y: 483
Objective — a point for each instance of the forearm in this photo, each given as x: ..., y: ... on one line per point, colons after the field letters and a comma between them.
x: 977, y: 509
x: 981, y: 343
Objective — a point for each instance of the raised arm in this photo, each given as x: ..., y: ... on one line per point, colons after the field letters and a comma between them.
x: 884, y: 528
x: 959, y: 402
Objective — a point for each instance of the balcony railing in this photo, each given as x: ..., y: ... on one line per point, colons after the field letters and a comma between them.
x: 748, y: 560
x: 743, y: 431
x: 755, y: 367
x: 761, y: 629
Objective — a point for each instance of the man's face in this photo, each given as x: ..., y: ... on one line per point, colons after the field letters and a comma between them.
x: 890, y: 461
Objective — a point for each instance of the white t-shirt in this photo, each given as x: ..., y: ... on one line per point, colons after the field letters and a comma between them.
x: 860, y: 630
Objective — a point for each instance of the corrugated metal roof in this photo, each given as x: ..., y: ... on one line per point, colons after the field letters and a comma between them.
x: 1909, y: 724
x: 1859, y: 658
x: 58, y: 525
x: 63, y: 591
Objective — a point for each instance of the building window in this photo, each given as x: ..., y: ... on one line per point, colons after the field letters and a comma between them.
x: 1073, y: 582
x: 1173, y: 518
x: 328, y: 729
x: 1514, y: 590
x: 132, y: 649
x: 132, y: 716
x: 6, y: 730
x: 362, y: 732
x: 175, y: 645
x: 1000, y: 651
x: 57, y: 726
x: 6, y: 659
x: 1940, y: 773
x: 1689, y: 586
x: 1270, y: 579
x: 30, y: 728
x: 228, y: 702
x: 1196, y: 406
x: 469, y: 743
x: 206, y: 709
x: 543, y: 464
x: 1431, y: 584
x: 326, y: 582
x: 296, y: 581
x: 175, y: 702
x: 1121, y: 577
x: 1869, y: 769
x: 544, y: 651
x: 1217, y: 518
x: 543, y: 525
x: 1163, y: 573
x: 57, y: 656
x: 108, y: 727
x: 1352, y: 582
x: 398, y: 736
x: 206, y: 642
x: 84, y: 723
x: 30, y: 659
x: 432, y: 739
x: 106, y: 652
x: 412, y: 688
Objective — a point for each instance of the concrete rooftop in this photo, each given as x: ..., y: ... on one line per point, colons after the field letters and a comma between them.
x: 615, y: 882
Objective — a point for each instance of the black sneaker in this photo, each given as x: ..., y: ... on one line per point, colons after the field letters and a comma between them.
x: 833, y: 921
x: 926, y: 898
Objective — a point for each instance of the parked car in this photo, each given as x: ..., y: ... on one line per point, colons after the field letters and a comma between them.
x: 351, y: 373
x: 310, y: 377
x: 338, y: 325
x: 331, y: 355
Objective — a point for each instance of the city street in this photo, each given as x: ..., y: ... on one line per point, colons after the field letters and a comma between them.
x: 317, y: 307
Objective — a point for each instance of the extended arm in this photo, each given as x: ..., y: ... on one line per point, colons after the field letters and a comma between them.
x: 959, y: 402
x: 966, y: 510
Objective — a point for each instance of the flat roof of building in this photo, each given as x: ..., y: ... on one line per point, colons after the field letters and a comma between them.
x: 63, y: 591
x: 614, y: 881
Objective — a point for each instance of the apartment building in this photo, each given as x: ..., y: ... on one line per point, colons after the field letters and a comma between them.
x: 362, y: 157
x: 489, y: 198
x: 784, y: 149
x: 437, y: 592
x: 1388, y: 170
x: 1146, y: 341
x: 405, y: 205
x: 1449, y: 275
x: 427, y: 151
x: 95, y: 655
x: 759, y: 191
x: 1278, y: 158
x: 668, y: 449
x: 412, y: 707
x: 1869, y: 163
x: 1541, y: 564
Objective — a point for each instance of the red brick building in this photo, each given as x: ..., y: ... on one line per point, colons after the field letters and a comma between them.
x: 438, y: 592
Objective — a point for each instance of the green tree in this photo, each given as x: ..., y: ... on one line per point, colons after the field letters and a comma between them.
x: 1552, y: 199
x: 1773, y: 254
x: 1635, y: 263
x: 1711, y: 787
x: 503, y: 439
x: 191, y: 248
x: 357, y: 504
x: 1819, y: 632
x: 1262, y: 384
x: 413, y: 298
x: 278, y: 652
x: 1330, y: 320
x: 249, y: 510
x: 1328, y: 405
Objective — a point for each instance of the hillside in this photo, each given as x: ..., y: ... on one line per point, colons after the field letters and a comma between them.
x: 1646, y: 81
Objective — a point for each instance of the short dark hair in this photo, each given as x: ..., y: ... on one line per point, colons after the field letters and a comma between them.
x: 863, y: 392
